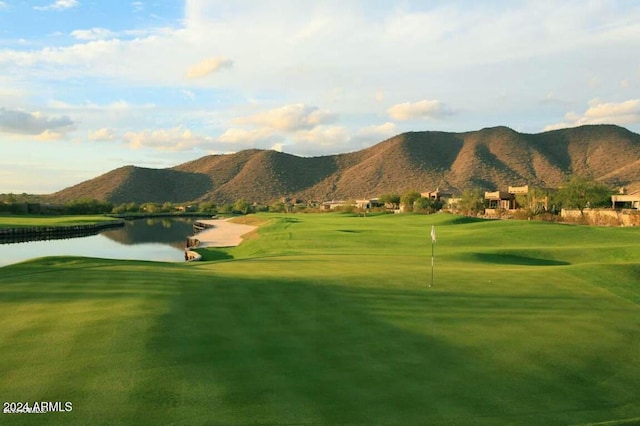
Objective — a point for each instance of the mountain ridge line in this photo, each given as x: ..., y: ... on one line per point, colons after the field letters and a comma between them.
x: 491, y: 158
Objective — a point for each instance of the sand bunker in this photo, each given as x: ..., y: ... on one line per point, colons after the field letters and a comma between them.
x: 224, y: 233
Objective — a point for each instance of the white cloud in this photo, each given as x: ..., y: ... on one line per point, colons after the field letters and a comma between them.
x: 137, y: 6
x: 425, y: 109
x: 382, y: 130
x: 50, y: 135
x: 64, y: 59
x: 173, y: 139
x: 3, y: 5
x: 245, y: 138
x: 116, y: 106
x: 59, y: 5
x: 33, y: 123
x: 320, y: 140
x: 208, y: 66
x: 288, y: 44
x: 322, y: 137
x: 103, y: 135
x: 610, y: 112
x: 126, y: 59
x: 95, y: 33
x: 290, y: 118
x: 298, y: 126
x: 621, y: 113
x: 322, y: 53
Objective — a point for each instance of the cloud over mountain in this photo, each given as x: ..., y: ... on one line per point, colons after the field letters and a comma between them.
x: 424, y: 109
x: 290, y: 118
x: 173, y: 139
x: 627, y: 112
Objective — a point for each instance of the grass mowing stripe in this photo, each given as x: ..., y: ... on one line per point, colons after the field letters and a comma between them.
x: 327, y: 319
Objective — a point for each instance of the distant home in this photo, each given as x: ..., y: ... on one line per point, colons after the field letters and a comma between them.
x: 626, y: 201
x: 369, y: 203
x: 438, y: 194
x: 507, y: 200
x: 500, y: 200
x: 333, y: 204
x: 447, y: 197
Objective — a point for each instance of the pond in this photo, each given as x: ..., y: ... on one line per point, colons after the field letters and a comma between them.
x: 158, y: 239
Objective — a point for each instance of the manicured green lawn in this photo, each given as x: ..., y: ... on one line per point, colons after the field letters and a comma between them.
x: 328, y: 319
x: 19, y: 221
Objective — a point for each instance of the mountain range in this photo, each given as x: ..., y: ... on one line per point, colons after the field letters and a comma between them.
x: 491, y: 159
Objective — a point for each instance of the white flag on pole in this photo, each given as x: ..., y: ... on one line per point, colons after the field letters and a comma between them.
x: 433, y: 234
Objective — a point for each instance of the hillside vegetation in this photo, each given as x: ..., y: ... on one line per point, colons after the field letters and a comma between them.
x: 492, y: 158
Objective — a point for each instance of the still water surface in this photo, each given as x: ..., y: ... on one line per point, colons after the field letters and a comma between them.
x: 161, y: 239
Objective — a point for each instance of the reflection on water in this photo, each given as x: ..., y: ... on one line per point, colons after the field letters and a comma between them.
x: 161, y: 239
x: 171, y: 231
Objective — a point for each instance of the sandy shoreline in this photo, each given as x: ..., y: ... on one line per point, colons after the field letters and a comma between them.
x: 225, y: 233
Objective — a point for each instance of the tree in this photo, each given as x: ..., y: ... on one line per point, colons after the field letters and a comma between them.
x: 119, y: 209
x: 471, y: 201
x: 225, y: 208
x: 149, y: 207
x: 207, y: 207
x: 393, y: 199
x: 534, y: 202
x: 278, y: 207
x: 88, y: 206
x: 408, y: 198
x: 426, y: 205
x: 242, y: 206
x: 581, y: 192
x: 132, y: 207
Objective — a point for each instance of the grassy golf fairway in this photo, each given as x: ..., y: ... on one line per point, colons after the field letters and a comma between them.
x: 328, y: 319
x: 20, y: 221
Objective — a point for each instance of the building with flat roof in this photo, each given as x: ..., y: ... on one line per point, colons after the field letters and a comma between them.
x: 626, y: 201
x: 500, y: 200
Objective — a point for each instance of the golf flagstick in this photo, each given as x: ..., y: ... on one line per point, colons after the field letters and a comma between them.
x: 433, y: 240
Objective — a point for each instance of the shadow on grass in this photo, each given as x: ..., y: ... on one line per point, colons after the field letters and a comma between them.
x: 66, y: 279
x: 211, y: 254
x: 232, y: 350
x: 288, y: 352
x: 514, y: 259
x: 467, y: 219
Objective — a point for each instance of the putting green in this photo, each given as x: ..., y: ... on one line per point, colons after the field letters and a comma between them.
x: 328, y: 319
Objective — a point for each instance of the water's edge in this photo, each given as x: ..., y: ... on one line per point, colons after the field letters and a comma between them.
x: 43, y: 233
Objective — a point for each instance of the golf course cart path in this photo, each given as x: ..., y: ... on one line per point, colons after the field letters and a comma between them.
x: 223, y: 234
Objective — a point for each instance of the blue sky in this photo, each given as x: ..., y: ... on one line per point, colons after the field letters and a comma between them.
x: 87, y: 86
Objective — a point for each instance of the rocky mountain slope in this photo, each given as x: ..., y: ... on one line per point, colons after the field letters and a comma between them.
x: 491, y: 158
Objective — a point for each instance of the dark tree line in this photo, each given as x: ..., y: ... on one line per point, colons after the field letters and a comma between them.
x: 578, y: 192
